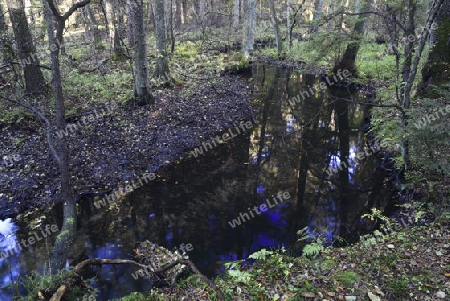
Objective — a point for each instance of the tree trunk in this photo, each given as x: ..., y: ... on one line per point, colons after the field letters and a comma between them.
x: 288, y: 22
x: 113, y: 29
x: 169, y: 24
x: 185, y: 12
x: 276, y: 28
x: 65, y: 239
x: 94, y: 27
x: 6, y: 49
x: 318, y: 6
x: 34, y: 80
x: 435, y: 70
x: 130, y: 29
x: 348, y: 60
x: 412, y: 68
x: 141, y: 83
x: 162, y: 65
x: 249, y: 29
x: 201, y: 11
x: 178, y: 13
x: 235, y: 13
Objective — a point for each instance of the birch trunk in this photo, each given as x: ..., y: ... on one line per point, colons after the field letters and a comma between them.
x: 276, y: 28
x: 249, y: 28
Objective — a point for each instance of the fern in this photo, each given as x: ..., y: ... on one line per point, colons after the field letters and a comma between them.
x: 313, y: 249
x: 261, y: 255
x: 239, y: 276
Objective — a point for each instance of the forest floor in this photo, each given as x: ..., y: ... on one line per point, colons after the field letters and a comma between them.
x: 119, y: 143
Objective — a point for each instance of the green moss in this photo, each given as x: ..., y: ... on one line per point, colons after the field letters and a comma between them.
x: 347, y: 278
x: 399, y: 288
x: 63, y: 235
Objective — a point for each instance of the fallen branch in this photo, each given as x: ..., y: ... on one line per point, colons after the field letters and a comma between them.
x: 99, y: 262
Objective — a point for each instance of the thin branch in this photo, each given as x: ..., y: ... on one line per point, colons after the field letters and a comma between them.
x: 42, y: 117
x: 54, y: 9
x: 378, y: 105
x: 334, y: 15
x: 41, y: 66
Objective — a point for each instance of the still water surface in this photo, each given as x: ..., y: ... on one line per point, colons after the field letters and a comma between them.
x: 287, y: 151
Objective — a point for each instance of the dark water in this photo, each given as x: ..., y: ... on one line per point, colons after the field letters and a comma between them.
x: 194, y: 201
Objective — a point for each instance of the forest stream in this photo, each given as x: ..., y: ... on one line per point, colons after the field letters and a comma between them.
x: 288, y: 161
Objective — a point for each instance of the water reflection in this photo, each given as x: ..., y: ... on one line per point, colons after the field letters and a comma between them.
x: 288, y: 151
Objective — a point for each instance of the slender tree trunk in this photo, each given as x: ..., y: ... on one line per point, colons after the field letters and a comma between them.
x: 249, y: 28
x: 34, y: 80
x: 185, y: 11
x: 130, y: 29
x: 87, y: 32
x: 178, y: 13
x: 141, y: 84
x: 94, y: 27
x: 348, y: 60
x: 235, y: 13
x: 201, y: 11
x: 318, y: 6
x: 151, y: 14
x: 162, y: 65
x: 113, y: 29
x: 412, y: 68
x: 65, y: 239
x: 169, y: 24
x: 5, y: 45
x: 276, y: 28
x: 288, y: 22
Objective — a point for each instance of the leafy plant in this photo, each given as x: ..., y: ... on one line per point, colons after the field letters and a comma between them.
x: 34, y: 283
x: 261, y: 254
x: 376, y: 214
x: 316, y: 245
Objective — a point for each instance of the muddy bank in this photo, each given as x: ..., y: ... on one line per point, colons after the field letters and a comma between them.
x: 120, y: 146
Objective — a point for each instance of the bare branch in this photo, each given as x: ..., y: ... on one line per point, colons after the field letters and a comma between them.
x: 338, y: 13
x: 15, y: 63
x: 54, y: 9
x: 74, y: 8
x: 42, y: 117
x: 157, y: 272
x: 371, y: 104
x: 71, y: 10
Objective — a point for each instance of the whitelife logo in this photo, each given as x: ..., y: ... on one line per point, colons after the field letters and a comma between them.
x: 225, y: 137
x: 115, y: 195
x: 263, y: 207
x: 73, y: 127
x: 424, y: 121
x: 49, y: 230
x: 341, y: 74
